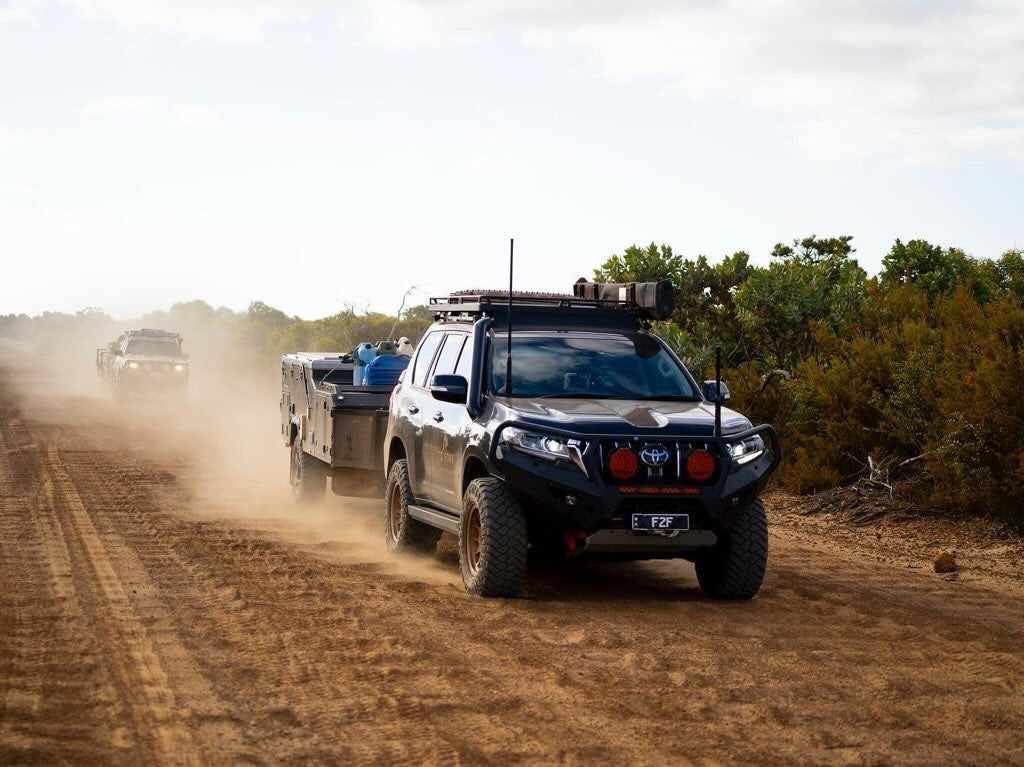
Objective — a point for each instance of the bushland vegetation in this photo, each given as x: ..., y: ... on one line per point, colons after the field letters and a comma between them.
x: 920, y: 366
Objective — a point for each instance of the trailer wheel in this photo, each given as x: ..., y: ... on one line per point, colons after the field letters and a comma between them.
x: 493, y: 540
x: 734, y: 568
x: 402, y: 532
x: 307, y: 475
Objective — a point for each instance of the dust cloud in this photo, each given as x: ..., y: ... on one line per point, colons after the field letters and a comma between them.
x: 224, y: 442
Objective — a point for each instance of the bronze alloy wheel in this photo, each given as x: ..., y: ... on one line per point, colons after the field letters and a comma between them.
x: 472, y: 541
x: 395, y: 512
x: 493, y: 540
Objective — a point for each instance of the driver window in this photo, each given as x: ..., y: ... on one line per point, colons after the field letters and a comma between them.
x: 465, y: 366
x: 449, y: 353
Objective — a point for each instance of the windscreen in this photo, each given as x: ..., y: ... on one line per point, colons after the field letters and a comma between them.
x: 151, y: 347
x: 608, y: 366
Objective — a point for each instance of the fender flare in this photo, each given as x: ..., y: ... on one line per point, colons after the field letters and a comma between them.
x: 474, y: 453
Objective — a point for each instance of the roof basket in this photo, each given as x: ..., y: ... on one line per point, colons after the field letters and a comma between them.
x: 645, y: 301
x: 152, y: 333
x: 469, y: 304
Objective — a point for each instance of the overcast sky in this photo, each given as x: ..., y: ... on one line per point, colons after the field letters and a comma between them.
x: 316, y: 154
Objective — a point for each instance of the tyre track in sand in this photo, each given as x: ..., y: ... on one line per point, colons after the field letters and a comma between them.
x: 153, y: 706
x: 89, y: 585
x: 55, y: 694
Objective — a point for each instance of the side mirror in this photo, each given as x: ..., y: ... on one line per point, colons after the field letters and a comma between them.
x: 711, y: 391
x: 449, y: 388
x: 118, y: 353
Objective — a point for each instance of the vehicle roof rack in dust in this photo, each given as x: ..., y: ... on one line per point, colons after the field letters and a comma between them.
x: 590, y: 303
x: 151, y: 333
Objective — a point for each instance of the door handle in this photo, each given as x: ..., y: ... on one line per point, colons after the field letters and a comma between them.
x: 438, y: 416
x: 413, y: 409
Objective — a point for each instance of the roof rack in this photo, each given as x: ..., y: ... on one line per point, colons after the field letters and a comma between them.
x: 152, y: 332
x: 642, y: 302
x: 466, y: 302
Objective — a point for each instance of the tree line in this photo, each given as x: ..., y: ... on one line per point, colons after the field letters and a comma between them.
x: 918, y: 363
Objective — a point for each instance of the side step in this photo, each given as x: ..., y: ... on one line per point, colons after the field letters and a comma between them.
x: 439, y: 519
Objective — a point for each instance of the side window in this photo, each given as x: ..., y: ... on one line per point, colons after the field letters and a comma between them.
x: 449, y: 354
x: 465, y: 366
x: 424, y: 356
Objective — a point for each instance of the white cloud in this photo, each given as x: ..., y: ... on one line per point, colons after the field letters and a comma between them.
x: 1008, y: 141
x: 212, y: 20
x: 920, y: 80
x: 7, y: 137
x: 188, y: 115
x: 916, y: 80
x: 17, y: 10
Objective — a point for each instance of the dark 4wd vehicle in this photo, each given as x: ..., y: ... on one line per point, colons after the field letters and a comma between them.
x: 602, y: 444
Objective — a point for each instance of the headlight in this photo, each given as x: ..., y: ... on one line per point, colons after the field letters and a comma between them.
x: 545, y: 446
x: 747, y: 450
x: 133, y: 365
x: 179, y: 367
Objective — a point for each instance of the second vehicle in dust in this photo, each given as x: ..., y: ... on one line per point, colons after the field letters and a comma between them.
x: 144, y: 363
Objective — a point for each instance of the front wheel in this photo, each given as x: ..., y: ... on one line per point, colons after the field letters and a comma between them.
x: 493, y: 540
x: 307, y: 475
x: 734, y: 568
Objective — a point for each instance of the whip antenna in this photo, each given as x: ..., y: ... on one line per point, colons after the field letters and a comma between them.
x: 718, y: 391
x: 508, y: 355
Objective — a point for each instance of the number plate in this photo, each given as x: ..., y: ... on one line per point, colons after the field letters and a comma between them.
x: 661, y: 521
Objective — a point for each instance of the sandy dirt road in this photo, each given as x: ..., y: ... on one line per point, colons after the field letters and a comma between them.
x: 147, y: 620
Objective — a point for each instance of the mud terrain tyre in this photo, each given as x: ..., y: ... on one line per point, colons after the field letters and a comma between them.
x: 493, y: 540
x: 307, y: 475
x: 734, y: 568
x: 402, y: 532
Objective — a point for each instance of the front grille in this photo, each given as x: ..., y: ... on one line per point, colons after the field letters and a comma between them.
x: 673, y: 471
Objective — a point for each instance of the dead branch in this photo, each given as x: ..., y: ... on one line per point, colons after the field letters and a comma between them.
x: 773, y: 374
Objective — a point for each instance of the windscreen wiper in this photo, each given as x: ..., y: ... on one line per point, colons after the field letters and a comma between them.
x: 574, y: 395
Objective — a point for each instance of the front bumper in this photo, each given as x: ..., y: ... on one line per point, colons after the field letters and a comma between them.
x: 587, y: 501
x: 143, y: 381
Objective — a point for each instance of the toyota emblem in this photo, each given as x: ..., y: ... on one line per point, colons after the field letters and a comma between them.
x: 654, y: 455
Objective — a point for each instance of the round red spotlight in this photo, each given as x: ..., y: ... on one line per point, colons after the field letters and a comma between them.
x: 700, y: 465
x: 623, y: 463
